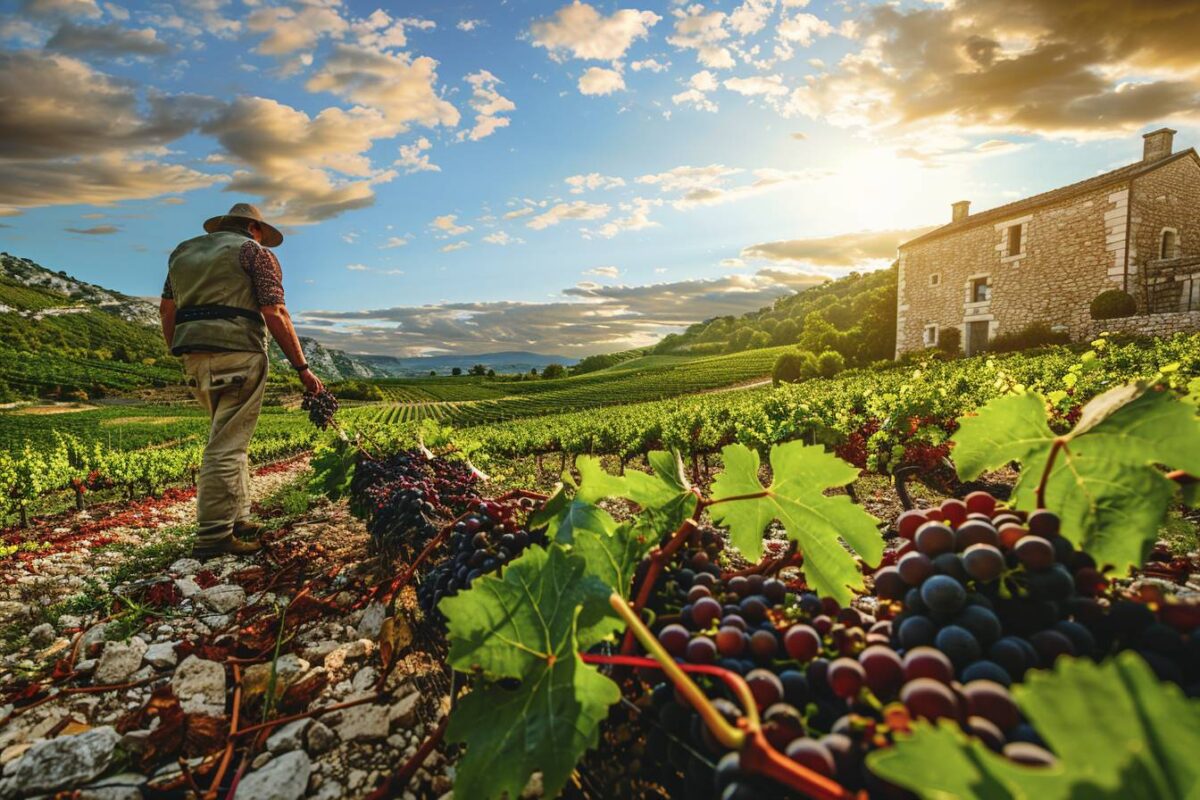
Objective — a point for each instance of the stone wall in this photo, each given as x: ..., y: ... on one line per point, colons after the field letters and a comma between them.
x: 1167, y: 198
x: 1149, y: 324
x: 1071, y: 251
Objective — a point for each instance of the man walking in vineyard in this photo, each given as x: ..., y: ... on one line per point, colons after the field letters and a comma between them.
x: 223, y: 295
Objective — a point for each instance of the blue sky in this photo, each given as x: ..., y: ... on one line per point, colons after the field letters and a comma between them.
x: 554, y: 176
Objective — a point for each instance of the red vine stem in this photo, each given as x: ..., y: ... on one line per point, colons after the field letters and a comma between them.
x: 262, y: 726
x: 756, y: 755
x: 227, y: 756
x: 1059, y: 444
x: 658, y: 560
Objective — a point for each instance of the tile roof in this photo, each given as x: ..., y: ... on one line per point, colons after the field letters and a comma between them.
x: 1052, y: 196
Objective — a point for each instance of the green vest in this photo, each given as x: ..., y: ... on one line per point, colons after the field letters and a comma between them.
x: 207, y: 271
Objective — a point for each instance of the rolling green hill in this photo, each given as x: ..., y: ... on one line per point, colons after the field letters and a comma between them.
x: 854, y: 315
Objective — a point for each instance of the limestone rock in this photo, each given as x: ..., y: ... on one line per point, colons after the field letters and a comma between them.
x: 200, y: 686
x: 404, y: 711
x: 185, y: 567
x: 320, y: 737
x: 283, y: 778
x: 372, y: 621
x: 42, y: 635
x: 223, y: 598
x: 66, y: 762
x: 118, y: 661
x: 162, y: 655
x: 187, y: 587
x: 125, y: 786
x: 364, y: 723
x: 288, y: 737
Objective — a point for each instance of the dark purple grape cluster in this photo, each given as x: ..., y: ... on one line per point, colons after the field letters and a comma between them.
x: 321, y: 408
x: 492, y: 535
x: 1000, y: 592
x: 404, y: 494
x: 978, y: 595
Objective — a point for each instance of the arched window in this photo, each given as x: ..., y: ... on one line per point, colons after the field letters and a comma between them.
x: 1169, y: 241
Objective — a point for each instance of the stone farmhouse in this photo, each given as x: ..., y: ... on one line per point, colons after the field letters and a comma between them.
x: 1044, y: 258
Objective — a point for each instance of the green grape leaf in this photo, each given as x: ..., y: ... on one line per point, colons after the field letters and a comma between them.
x: 1108, y: 507
x: 333, y: 469
x: 596, y: 484
x: 563, y: 518
x: 664, y: 496
x: 613, y: 557
x: 1116, y: 730
x: 529, y: 625
x: 1009, y: 428
x: 817, y: 523
x: 1105, y: 483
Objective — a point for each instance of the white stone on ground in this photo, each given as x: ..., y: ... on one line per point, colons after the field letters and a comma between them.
x: 283, y: 778
x: 65, y: 762
x: 200, y: 686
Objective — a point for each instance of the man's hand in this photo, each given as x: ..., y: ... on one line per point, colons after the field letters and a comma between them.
x: 311, y: 382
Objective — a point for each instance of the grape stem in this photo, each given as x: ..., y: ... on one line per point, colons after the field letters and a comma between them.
x: 770, y: 565
x: 658, y: 558
x: 1060, y: 443
x: 708, y: 503
x: 756, y: 755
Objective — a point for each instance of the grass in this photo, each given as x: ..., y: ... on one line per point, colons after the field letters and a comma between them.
x: 1181, y: 532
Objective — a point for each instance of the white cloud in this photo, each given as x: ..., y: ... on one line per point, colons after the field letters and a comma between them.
x: 520, y: 212
x: 713, y: 185
x: 450, y: 248
x: 770, y: 85
x: 751, y: 16
x: 394, y: 242
x: 469, y: 25
x: 413, y: 157
x: 703, y: 32
x: 380, y: 31
x: 803, y: 28
x: 291, y: 28
x: 63, y: 8
x: 603, y: 272
x: 577, y: 209
x: 696, y: 95
x: 401, y: 87
x: 636, y: 217
x: 840, y: 251
x: 488, y: 104
x: 601, y: 81
x: 587, y: 318
x: 502, y: 238
x: 591, y: 182
x: 448, y: 225
x: 106, y: 40
x: 358, y: 267
x: 583, y: 32
x: 306, y: 168
x: 649, y: 65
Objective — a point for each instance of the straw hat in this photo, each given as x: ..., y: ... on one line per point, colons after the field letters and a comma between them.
x: 271, y: 235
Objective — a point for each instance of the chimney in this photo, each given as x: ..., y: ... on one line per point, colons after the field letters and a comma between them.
x: 1157, y: 144
x: 960, y: 210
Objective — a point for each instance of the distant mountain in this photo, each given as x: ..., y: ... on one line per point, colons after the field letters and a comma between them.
x: 509, y: 362
x: 331, y: 365
x: 74, y: 292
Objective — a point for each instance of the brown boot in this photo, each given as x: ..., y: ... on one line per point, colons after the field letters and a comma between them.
x: 231, y: 546
x: 245, y: 529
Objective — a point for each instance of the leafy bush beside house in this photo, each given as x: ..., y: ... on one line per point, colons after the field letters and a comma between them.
x: 1113, y: 304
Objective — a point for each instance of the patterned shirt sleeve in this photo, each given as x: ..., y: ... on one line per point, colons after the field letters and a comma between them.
x: 263, y: 268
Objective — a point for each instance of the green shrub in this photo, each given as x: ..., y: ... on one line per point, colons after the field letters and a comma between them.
x: 1035, y: 334
x: 1113, y: 304
x: 357, y: 390
x: 949, y: 340
x: 830, y: 363
x: 787, y: 368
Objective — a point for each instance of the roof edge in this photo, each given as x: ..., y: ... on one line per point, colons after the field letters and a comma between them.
x: 1015, y: 206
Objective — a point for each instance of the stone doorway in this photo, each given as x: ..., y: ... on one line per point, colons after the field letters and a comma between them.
x: 977, y: 337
